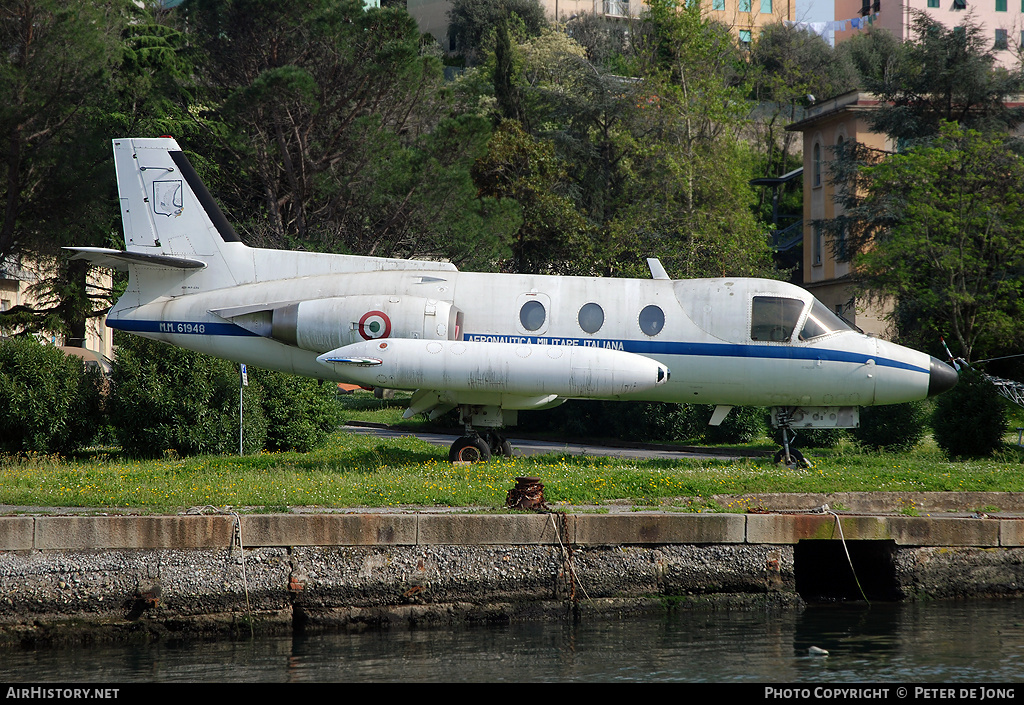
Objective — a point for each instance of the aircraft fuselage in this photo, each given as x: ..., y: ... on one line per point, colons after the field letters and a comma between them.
x: 703, y: 334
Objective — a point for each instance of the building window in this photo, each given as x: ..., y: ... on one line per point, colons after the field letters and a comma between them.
x: 840, y: 250
x: 816, y: 165
x: 766, y: 7
x: 865, y: 7
x: 718, y: 4
x: 817, y: 245
x: 935, y: 3
x: 1001, y: 41
x: 746, y: 5
x: 617, y: 8
x: 959, y: 4
x: 745, y: 38
x: 1000, y: 5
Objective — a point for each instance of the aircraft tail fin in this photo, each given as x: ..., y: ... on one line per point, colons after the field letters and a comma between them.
x: 165, y: 206
x: 178, y: 241
x: 173, y: 228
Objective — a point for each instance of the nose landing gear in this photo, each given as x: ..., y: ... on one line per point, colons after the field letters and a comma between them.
x: 788, y: 455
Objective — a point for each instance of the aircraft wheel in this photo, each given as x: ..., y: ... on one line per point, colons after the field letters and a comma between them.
x: 796, y: 458
x: 499, y: 445
x: 469, y: 449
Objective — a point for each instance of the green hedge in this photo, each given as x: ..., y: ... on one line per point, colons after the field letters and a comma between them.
x: 970, y: 419
x: 894, y: 427
x: 168, y: 399
x: 51, y: 403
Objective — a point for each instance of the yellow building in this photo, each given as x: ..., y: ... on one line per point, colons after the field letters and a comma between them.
x: 16, y: 278
x: 826, y: 125
x: 744, y: 17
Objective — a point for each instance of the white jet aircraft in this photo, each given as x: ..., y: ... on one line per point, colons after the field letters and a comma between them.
x: 489, y: 344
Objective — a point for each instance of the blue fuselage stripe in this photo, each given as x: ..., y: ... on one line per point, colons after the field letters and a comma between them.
x: 179, y: 327
x: 657, y: 348
x: 640, y: 347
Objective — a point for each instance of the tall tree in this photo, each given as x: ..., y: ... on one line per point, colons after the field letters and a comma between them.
x: 55, y: 64
x: 648, y: 162
x: 945, y: 74
x: 790, y: 69
x: 59, y: 81
x: 939, y: 92
x: 689, y: 196
x: 553, y: 235
x: 471, y: 21
x: 333, y: 117
x: 950, y: 250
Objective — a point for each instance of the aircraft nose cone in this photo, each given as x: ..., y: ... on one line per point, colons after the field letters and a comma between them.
x: 941, y: 378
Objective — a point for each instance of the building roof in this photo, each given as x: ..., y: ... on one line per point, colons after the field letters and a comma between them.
x: 819, y: 111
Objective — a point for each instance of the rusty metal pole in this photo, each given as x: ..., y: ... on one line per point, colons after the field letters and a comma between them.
x: 527, y: 494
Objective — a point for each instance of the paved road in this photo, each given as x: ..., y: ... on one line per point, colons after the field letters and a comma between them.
x: 525, y: 446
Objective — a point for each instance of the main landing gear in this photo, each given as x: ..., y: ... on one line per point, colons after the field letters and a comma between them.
x: 472, y: 448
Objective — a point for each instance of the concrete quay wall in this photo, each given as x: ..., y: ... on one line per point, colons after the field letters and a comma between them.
x: 285, y: 571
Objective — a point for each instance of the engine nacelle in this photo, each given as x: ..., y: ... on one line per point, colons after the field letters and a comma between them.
x: 321, y: 325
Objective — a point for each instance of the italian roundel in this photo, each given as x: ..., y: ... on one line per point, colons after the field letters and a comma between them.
x: 374, y: 324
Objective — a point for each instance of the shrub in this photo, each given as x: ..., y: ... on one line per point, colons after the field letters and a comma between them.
x: 743, y: 424
x: 894, y: 427
x: 51, y: 402
x: 300, y: 412
x: 165, y: 398
x: 632, y: 421
x: 970, y: 419
x: 820, y: 437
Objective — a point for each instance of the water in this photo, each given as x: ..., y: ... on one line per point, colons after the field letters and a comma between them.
x: 968, y: 642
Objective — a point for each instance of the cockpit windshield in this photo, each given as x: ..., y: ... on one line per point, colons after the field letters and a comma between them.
x: 773, y: 318
x: 820, y: 321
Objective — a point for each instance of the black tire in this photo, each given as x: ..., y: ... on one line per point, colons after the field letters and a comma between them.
x: 499, y: 445
x: 469, y: 449
x: 796, y: 458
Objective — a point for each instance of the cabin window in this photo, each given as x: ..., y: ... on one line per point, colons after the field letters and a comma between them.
x: 652, y: 320
x: 773, y: 318
x: 591, y: 317
x: 532, y: 315
x: 820, y: 321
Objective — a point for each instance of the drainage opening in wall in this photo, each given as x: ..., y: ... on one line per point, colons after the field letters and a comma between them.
x: 824, y: 574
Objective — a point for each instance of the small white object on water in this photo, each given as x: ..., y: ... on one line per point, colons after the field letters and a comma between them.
x: 815, y: 651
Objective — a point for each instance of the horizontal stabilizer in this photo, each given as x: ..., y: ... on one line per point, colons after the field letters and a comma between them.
x: 120, y: 259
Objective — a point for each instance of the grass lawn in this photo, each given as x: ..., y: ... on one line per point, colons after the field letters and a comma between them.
x: 362, y: 471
